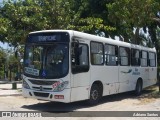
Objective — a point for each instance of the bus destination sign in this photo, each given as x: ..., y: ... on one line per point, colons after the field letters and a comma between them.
x: 48, y: 37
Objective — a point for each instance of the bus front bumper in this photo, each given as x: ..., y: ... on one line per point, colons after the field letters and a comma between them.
x: 63, y: 96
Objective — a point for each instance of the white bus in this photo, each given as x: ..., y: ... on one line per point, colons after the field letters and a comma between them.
x: 68, y: 66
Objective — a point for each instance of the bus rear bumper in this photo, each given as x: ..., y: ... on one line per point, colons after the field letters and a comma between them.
x: 63, y: 96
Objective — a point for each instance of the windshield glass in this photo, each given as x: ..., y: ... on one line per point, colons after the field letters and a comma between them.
x: 46, y: 61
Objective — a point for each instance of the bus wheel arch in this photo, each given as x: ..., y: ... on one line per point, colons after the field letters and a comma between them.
x: 96, y: 92
x: 139, y: 87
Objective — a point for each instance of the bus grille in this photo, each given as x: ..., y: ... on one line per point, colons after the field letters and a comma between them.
x: 44, y: 88
x: 41, y: 94
x: 39, y: 82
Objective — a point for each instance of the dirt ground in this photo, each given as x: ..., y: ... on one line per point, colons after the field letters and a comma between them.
x: 148, y: 101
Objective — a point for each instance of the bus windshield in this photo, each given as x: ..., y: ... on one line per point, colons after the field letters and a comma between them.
x: 46, y: 60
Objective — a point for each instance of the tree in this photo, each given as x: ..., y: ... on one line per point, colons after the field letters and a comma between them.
x: 2, y: 62
x: 89, y: 16
x: 21, y: 17
x: 128, y: 15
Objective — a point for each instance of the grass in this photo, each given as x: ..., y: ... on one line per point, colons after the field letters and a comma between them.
x: 150, y: 94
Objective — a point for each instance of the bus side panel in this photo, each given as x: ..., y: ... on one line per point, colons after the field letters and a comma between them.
x: 80, y: 88
x: 145, y: 76
x: 152, y: 75
x: 79, y: 93
x: 108, y: 75
x: 125, y: 78
x: 135, y: 74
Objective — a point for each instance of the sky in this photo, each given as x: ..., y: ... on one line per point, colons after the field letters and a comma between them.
x: 2, y: 1
x: 4, y: 46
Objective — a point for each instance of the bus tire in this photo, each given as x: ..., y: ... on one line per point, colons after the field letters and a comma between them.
x: 95, y: 95
x: 138, y: 89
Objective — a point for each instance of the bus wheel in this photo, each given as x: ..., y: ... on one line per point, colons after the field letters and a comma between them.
x: 138, y: 89
x: 95, y: 95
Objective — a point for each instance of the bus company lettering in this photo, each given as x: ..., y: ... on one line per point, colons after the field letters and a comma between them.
x: 136, y: 72
x: 56, y: 84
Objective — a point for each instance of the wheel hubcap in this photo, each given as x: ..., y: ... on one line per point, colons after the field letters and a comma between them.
x: 94, y: 95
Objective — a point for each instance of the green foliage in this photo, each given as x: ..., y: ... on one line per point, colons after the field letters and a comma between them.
x: 133, y: 12
x: 90, y: 25
x: 89, y: 16
x: 110, y: 16
x: 2, y: 62
x: 21, y: 17
x: 127, y: 15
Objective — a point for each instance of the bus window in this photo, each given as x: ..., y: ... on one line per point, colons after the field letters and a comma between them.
x: 97, y: 53
x: 83, y: 56
x: 152, y: 59
x: 33, y: 57
x: 144, y: 59
x: 46, y: 61
x: 135, y: 57
x: 80, y: 59
x: 111, y: 54
x: 124, y: 56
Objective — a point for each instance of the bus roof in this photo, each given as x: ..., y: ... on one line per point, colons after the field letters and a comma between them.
x: 91, y: 37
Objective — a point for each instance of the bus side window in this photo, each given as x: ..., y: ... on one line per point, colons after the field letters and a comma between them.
x: 111, y: 55
x: 152, y: 59
x: 135, y: 57
x: 124, y: 56
x: 83, y: 55
x: 80, y: 58
x: 144, y: 58
x: 97, y: 53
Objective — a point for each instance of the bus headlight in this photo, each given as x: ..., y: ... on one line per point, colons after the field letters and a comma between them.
x: 60, y: 86
x: 25, y: 85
